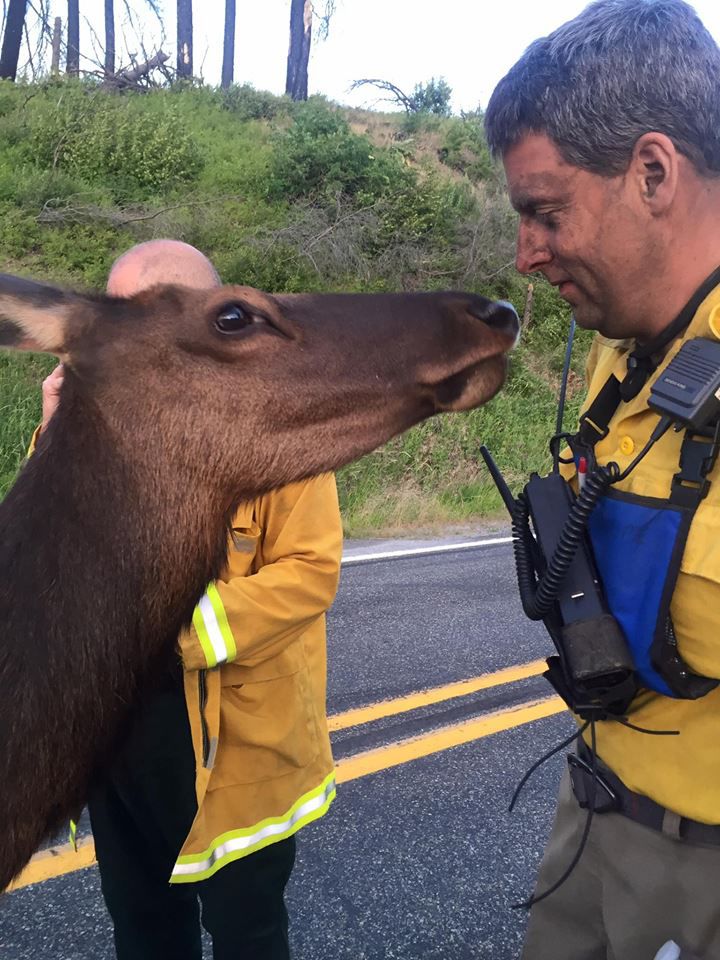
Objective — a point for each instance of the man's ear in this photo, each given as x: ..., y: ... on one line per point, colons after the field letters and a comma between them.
x: 35, y: 316
x: 655, y: 165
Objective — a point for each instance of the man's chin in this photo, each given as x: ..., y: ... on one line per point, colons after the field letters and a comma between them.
x: 587, y: 318
x: 608, y: 327
x: 591, y: 317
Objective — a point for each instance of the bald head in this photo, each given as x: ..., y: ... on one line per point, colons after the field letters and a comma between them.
x: 160, y: 261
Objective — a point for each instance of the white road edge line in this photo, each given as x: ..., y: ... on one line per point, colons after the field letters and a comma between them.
x: 417, y: 551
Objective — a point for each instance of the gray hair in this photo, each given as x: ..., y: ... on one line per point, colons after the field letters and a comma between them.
x: 620, y: 69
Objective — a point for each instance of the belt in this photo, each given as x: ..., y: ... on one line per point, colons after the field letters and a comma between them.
x: 612, y: 796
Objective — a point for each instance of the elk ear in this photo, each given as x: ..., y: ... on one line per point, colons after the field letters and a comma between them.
x: 35, y: 316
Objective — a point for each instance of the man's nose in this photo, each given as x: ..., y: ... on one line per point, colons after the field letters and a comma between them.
x: 532, y: 254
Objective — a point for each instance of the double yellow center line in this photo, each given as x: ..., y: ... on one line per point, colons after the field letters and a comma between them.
x: 63, y: 859
x: 453, y: 735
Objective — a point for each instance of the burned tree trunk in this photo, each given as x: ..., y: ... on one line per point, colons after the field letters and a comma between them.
x: 228, y: 64
x: 109, y: 37
x: 296, y: 83
x: 14, y: 23
x: 72, y: 62
x: 56, y: 38
x: 184, y: 39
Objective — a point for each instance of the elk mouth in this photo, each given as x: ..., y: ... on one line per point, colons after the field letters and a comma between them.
x: 471, y: 387
x: 478, y: 382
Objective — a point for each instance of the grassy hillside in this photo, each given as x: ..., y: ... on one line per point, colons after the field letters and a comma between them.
x: 285, y: 197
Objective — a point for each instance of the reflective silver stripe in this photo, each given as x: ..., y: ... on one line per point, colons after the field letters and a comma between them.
x: 245, y: 842
x: 213, y: 629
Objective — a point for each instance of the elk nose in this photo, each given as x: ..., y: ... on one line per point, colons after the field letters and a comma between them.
x: 500, y: 315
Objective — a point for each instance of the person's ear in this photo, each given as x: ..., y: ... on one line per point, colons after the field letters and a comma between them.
x: 654, y: 168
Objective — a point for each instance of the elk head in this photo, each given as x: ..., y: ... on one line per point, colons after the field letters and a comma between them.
x: 238, y: 390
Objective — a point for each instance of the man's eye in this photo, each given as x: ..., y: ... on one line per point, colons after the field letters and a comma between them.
x: 547, y: 219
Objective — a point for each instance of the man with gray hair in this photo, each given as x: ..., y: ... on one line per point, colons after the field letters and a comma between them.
x: 609, y: 131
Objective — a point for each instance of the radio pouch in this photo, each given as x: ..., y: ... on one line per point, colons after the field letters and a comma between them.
x: 638, y: 544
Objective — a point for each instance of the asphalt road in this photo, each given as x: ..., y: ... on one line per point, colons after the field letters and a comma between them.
x: 418, y: 860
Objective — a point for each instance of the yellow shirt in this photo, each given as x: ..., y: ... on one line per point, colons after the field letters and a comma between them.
x: 682, y: 772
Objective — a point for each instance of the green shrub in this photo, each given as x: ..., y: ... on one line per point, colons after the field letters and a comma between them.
x: 320, y: 156
x: 277, y: 269
x: 99, y: 137
x: 432, y: 97
x: 247, y: 103
x: 20, y: 235
x: 428, y: 210
x: 464, y: 148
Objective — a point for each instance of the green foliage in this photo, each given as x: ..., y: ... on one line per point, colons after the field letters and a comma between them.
x: 320, y: 160
x: 464, y: 148
x: 247, y: 103
x: 428, y: 212
x: 432, y: 97
x: 101, y: 137
x: 20, y: 407
x: 319, y: 156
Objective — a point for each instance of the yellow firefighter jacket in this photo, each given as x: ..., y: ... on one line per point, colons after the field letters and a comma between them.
x: 255, y: 679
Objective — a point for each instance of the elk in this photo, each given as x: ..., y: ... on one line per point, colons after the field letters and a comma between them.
x: 178, y: 404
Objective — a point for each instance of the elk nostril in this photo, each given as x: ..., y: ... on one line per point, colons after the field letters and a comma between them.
x: 499, y: 315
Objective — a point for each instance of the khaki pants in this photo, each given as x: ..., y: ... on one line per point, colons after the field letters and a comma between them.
x: 633, y: 890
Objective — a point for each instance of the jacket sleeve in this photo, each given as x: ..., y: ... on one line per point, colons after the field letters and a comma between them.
x: 248, y: 619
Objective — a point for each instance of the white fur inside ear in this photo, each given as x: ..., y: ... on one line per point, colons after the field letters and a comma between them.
x: 41, y: 328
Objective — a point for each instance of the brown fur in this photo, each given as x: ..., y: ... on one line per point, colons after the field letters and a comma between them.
x: 119, y: 520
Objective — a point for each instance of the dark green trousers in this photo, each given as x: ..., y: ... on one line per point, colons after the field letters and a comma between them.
x: 632, y: 891
x: 141, y: 809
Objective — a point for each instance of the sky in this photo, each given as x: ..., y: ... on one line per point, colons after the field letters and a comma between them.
x: 472, y: 43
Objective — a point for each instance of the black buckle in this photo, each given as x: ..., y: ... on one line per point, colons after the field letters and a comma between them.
x: 697, y: 459
x: 584, y: 784
x: 590, y: 432
x: 639, y: 370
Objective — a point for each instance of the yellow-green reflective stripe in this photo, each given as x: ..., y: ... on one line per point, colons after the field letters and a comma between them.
x: 239, y: 843
x: 212, y: 627
x: 72, y: 835
x: 222, y: 621
x: 202, y: 633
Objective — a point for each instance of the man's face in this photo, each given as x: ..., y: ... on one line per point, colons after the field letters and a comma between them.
x: 588, y: 235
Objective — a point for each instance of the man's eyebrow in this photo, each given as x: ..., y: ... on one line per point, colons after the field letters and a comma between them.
x: 526, y: 202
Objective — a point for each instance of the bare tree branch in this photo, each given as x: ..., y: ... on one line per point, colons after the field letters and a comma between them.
x: 98, y: 48
x: 61, y: 210
x: 30, y: 56
x: 324, y: 18
x: 398, y: 96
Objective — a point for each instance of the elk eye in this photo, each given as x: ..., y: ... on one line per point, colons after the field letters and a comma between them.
x: 233, y: 319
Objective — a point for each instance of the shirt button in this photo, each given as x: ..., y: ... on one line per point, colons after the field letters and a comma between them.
x: 715, y: 322
x: 627, y: 446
